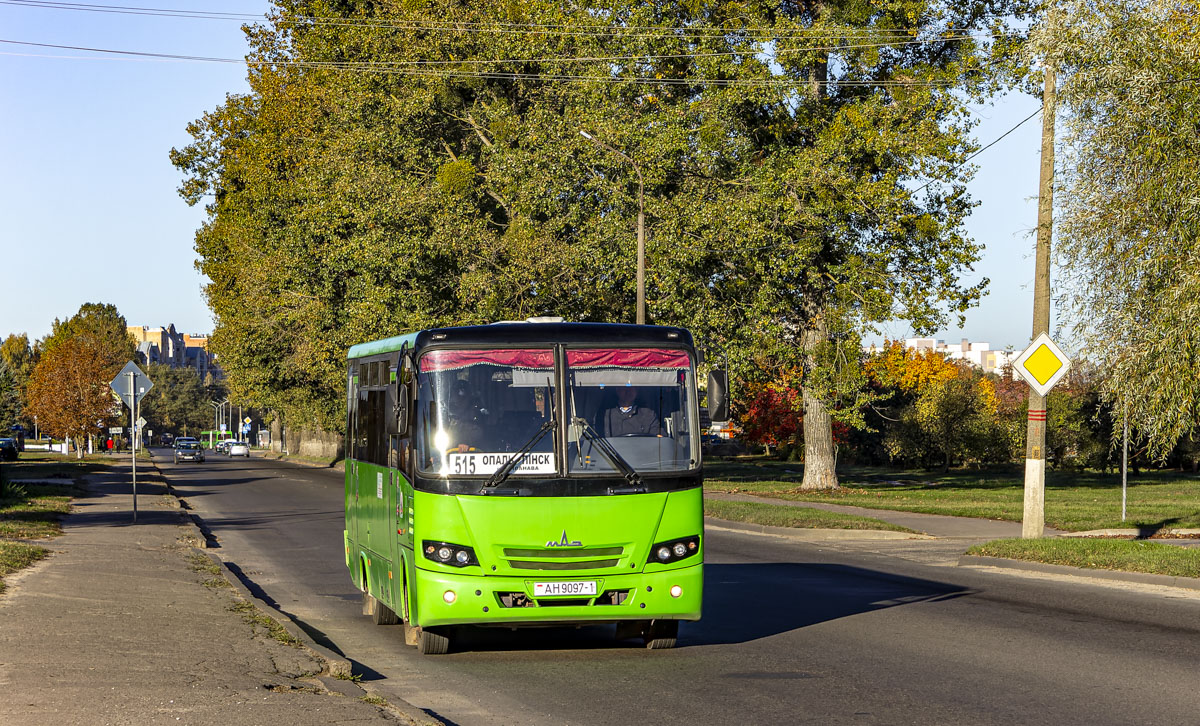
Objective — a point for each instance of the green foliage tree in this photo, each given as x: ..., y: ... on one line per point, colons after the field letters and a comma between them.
x: 1128, y: 227
x: 401, y: 176
x: 179, y: 401
x: 16, y: 363
x: 100, y: 322
x: 11, y: 405
x: 956, y: 415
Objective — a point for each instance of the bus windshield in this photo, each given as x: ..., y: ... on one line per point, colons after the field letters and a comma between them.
x: 631, y: 404
x: 627, y: 410
x: 476, y: 408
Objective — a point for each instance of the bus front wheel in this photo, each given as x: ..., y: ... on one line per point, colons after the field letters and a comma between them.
x: 428, y: 642
x: 661, y: 634
x: 380, y: 614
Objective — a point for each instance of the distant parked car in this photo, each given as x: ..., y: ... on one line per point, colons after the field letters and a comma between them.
x: 189, y: 451
x: 238, y: 448
x: 8, y: 450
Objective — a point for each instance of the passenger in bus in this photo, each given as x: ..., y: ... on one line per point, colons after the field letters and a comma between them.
x: 465, y: 417
x: 629, y: 419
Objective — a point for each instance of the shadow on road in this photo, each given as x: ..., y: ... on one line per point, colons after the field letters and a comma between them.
x: 745, y: 602
x: 742, y: 603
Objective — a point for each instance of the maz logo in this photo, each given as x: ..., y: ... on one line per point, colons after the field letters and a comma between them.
x: 564, y: 542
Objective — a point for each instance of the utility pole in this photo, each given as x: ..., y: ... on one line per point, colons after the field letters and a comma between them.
x: 1034, y: 519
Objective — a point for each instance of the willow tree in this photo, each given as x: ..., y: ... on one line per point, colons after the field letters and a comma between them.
x: 403, y: 163
x: 1128, y: 226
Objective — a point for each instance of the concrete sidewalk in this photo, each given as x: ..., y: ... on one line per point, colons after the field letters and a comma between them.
x: 124, y: 624
x: 937, y: 525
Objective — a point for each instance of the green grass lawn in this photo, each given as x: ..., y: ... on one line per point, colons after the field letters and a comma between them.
x: 44, y: 465
x: 1074, y: 501
x: 17, y: 556
x: 1101, y: 554
x: 778, y: 515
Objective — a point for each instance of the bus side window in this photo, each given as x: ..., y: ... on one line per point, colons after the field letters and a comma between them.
x: 379, y: 430
x: 360, y: 411
x: 351, y: 400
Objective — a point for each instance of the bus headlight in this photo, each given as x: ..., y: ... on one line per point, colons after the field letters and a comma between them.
x: 448, y: 553
x: 674, y: 550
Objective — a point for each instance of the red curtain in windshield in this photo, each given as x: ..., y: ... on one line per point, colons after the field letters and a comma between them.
x: 447, y: 360
x: 628, y: 358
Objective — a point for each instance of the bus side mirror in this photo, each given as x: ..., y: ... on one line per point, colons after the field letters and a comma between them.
x: 400, y: 393
x: 718, y: 396
x: 401, y: 409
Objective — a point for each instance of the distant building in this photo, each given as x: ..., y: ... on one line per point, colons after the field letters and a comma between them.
x: 977, y: 354
x: 166, y: 346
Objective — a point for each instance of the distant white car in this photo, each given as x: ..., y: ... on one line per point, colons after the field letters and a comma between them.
x: 238, y: 448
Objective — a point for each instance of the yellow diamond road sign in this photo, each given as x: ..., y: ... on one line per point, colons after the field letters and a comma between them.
x: 1042, y: 364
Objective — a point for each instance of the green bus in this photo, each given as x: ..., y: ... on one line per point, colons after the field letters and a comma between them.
x: 526, y: 474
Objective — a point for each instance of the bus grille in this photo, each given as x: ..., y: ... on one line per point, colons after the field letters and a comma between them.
x: 563, y: 559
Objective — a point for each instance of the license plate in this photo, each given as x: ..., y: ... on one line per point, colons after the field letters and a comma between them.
x: 575, y: 588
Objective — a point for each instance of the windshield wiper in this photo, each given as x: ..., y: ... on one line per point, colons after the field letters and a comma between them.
x: 613, y: 456
x: 502, y: 473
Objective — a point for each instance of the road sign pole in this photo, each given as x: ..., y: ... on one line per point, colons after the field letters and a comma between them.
x: 130, y: 385
x: 133, y: 437
x: 1124, y: 456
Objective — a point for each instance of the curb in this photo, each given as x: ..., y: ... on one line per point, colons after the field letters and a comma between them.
x: 336, y: 665
x: 337, y: 465
x: 1129, y: 532
x: 338, y: 678
x: 1143, y: 578
x: 810, y: 535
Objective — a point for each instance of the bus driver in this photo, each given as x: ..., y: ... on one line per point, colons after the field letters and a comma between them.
x: 629, y: 419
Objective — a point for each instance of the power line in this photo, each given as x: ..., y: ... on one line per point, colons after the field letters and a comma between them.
x: 392, y: 69
x: 582, y: 59
x: 636, y: 31
x: 997, y: 140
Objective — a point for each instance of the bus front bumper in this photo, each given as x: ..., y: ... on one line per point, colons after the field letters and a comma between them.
x: 450, y: 599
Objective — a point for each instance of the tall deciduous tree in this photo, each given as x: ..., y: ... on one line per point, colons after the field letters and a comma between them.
x: 103, y: 324
x: 422, y: 164
x: 68, y: 390
x: 1128, y: 231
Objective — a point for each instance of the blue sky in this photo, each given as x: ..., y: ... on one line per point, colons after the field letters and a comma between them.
x: 89, y: 211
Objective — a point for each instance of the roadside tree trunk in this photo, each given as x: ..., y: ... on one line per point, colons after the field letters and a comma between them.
x: 820, y: 465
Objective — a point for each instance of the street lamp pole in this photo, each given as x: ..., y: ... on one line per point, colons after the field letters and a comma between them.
x: 641, y: 227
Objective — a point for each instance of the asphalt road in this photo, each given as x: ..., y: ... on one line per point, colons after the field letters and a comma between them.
x: 792, y: 632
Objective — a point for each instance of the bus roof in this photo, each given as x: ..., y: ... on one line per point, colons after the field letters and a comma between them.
x: 524, y: 333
